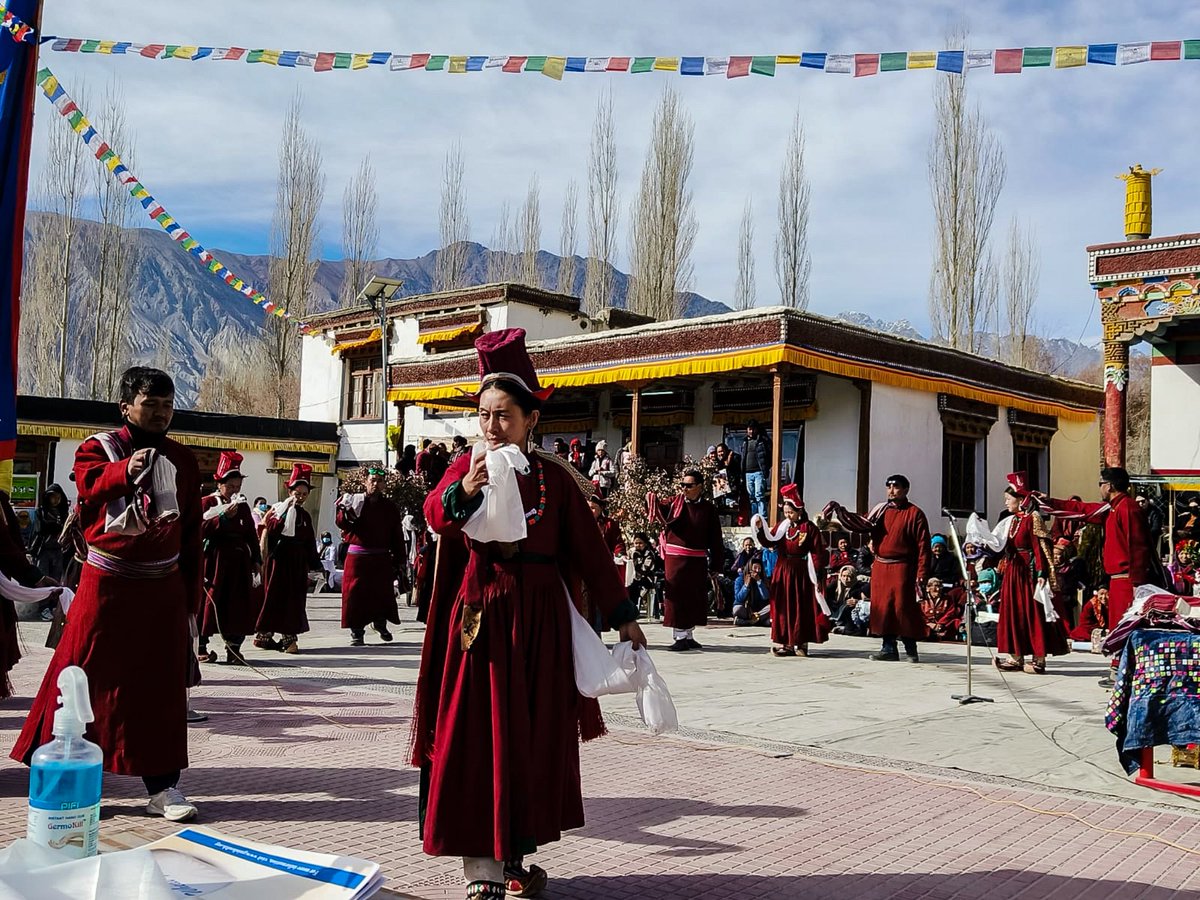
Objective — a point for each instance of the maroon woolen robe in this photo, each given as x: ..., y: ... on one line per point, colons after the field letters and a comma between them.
x: 1023, y: 629
x: 230, y: 555
x: 498, y: 725
x: 130, y: 635
x: 796, y: 618
x: 902, y: 561
x: 285, y: 575
x: 688, y: 578
x: 376, y: 553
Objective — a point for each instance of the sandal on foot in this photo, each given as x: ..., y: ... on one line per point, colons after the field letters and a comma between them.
x: 782, y: 651
x: 522, y: 882
x: 1033, y: 668
x: 1009, y: 665
x: 802, y: 650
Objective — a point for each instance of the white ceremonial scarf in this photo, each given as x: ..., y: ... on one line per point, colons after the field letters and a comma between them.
x: 220, y: 508
x: 286, y: 510
x: 760, y: 526
x: 995, y: 540
x: 352, y: 502
x: 502, y: 515
x: 18, y: 593
x: 156, y: 485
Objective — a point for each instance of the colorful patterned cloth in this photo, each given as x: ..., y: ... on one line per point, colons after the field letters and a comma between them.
x: 1156, y: 699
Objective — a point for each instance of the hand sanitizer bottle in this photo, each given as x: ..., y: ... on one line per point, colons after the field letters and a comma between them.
x: 65, y: 775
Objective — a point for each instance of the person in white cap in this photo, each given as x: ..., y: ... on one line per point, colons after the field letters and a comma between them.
x: 602, y: 472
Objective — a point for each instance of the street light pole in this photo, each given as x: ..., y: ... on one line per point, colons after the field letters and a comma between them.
x: 376, y: 294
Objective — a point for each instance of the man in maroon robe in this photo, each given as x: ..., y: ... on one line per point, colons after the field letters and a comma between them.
x: 903, y: 558
x: 291, y: 555
x: 1126, y: 538
x: 693, y: 551
x: 232, y: 559
x: 139, y: 494
x: 371, y: 525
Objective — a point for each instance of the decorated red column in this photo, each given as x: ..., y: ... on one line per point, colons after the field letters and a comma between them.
x: 1116, y: 382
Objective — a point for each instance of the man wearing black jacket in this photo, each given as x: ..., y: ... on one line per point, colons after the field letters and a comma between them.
x: 756, y: 460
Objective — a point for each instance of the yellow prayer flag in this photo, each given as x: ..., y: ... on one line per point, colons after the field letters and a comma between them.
x: 458, y: 65
x: 112, y: 162
x: 922, y: 59
x: 82, y: 125
x: 787, y: 60
x: 48, y: 86
x: 1069, y: 57
x: 554, y: 67
x: 360, y: 60
x: 180, y: 52
x: 666, y: 63
x: 270, y: 57
x: 106, y: 46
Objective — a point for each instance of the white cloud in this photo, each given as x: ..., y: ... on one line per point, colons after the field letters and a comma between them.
x: 207, y: 132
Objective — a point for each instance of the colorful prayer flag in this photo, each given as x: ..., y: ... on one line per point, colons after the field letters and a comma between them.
x: 950, y: 61
x: 739, y: 66
x: 716, y: 65
x: 596, y: 64
x: 1165, y: 50
x: 476, y: 63
x: 346, y: 60
x: 643, y: 64
x: 535, y: 63
x: 515, y: 64
x: 153, y: 50
x: 379, y: 58
x: 866, y: 64
x: 763, y: 65
x: 1037, y: 57
x: 458, y: 65
x: 1191, y: 49
x: 619, y: 63
x: 1008, y: 61
x: 893, y: 62
x: 922, y: 59
x: 1070, y: 57
x: 576, y: 64
x: 839, y: 63
x: 435, y: 63
x: 666, y: 63
x: 360, y: 61
x: 1128, y: 54
x: 691, y: 65
x: 812, y: 60
x: 493, y: 62
x: 787, y: 60
x: 554, y: 67
x: 324, y: 62
x: 1102, y: 54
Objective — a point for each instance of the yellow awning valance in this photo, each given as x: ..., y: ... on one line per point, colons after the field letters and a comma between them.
x: 372, y: 338
x: 727, y: 361
x: 213, y: 441
x: 449, y: 334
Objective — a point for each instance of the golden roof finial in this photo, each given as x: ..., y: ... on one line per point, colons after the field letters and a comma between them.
x: 1138, y: 201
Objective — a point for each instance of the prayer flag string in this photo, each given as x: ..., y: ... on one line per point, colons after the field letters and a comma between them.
x: 20, y: 31
x: 80, y: 124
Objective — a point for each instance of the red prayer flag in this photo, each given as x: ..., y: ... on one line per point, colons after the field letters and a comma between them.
x: 1009, y: 61
x: 235, y: 53
x: 738, y: 66
x: 73, y: 45
x: 419, y: 60
x: 102, y: 149
x: 324, y: 62
x: 1166, y: 50
x: 618, y: 63
x: 515, y: 63
x: 866, y: 64
x: 153, y: 50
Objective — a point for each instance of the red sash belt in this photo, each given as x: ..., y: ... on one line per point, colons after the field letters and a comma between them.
x: 677, y: 550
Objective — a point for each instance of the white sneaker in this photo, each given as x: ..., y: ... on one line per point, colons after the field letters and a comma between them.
x: 171, y: 805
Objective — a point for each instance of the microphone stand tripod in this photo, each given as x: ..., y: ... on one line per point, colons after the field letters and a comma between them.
x: 968, y: 613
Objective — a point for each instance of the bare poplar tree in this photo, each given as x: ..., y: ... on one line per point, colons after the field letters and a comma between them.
x: 530, y: 223
x: 744, y: 290
x: 360, y: 230
x: 792, y: 261
x: 497, y: 263
x: 966, y: 176
x: 1022, y: 275
x: 38, y: 370
x: 663, y: 226
x: 293, y: 264
x: 603, y: 213
x: 567, y: 240
x: 453, y: 222
x: 63, y: 186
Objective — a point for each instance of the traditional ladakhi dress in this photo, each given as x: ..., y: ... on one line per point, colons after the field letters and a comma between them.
x: 1023, y: 629
x: 796, y: 615
x: 497, y: 725
x: 692, y: 549
x: 230, y: 554
x: 902, y: 561
x: 289, y: 560
x: 376, y: 553
x: 128, y: 627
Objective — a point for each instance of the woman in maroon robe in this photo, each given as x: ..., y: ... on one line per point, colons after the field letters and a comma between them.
x: 231, y: 560
x: 796, y: 615
x: 375, y: 555
x: 291, y: 555
x: 1023, y: 630
x: 498, y: 718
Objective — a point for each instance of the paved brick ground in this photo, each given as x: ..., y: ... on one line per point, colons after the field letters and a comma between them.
x: 666, y: 818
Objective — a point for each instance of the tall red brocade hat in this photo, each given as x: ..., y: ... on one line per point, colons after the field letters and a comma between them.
x: 791, y: 494
x: 301, y: 474
x: 1018, y: 484
x: 502, y: 355
x: 229, y: 465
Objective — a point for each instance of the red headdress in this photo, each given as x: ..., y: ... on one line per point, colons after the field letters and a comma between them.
x: 301, y: 474
x: 229, y: 464
x: 1018, y: 483
x: 502, y: 354
x: 791, y: 494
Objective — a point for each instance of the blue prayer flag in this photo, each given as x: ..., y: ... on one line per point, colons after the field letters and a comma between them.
x: 576, y: 64
x: 379, y: 58
x: 476, y: 63
x: 950, y: 61
x: 691, y: 65
x: 1102, y: 54
x: 812, y: 60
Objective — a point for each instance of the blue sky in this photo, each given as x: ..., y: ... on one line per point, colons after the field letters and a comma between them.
x: 207, y: 132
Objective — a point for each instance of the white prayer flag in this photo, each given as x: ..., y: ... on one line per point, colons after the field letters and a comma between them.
x: 596, y: 64
x: 839, y: 63
x: 1133, y: 53
x: 305, y: 58
x: 716, y: 65
x: 495, y: 62
x: 400, y: 62
x: 978, y: 59
x: 220, y: 53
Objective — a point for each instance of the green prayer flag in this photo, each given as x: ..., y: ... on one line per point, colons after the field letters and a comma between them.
x: 763, y: 65
x: 643, y: 64
x: 436, y: 63
x: 89, y: 47
x: 106, y: 155
x: 535, y: 64
x: 893, y: 62
x: 342, y: 60
x: 75, y: 118
x: 1191, y: 49
x: 1037, y: 56
x: 254, y: 57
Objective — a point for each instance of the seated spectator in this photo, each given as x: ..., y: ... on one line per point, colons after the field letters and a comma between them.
x: 840, y: 555
x: 945, y: 566
x: 987, y: 580
x: 648, y: 573
x: 748, y: 552
x: 865, y: 559
x: 751, y: 597
x: 1071, y: 573
x: 1093, y: 616
x: 844, y: 596
x: 942, y: 608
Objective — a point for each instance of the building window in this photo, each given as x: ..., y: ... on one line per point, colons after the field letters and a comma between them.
x: 1032, y: 434
x: 364, y: 379
x: 1035, y: 463
x: 965, y: 428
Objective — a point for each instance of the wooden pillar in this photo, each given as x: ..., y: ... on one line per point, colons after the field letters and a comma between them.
x: 863, y: 497
x: 1116, y: 383
x: 776, y: 446
x: 635, y: 422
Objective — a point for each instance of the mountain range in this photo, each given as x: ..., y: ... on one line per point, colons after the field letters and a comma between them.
x: 184, y: 317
